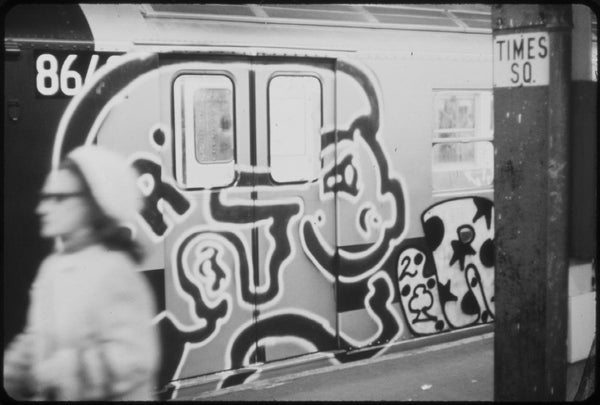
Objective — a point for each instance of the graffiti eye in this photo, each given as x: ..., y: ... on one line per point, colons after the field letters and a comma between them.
x: 418, y: 258
x: 466, y: 234
x: 146, y: 184
x: 349, y: 174
x: 330, y: 181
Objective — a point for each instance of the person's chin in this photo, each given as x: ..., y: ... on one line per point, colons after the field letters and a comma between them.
x: 46, y: 233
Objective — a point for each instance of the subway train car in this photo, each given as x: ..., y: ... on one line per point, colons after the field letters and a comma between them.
x: 317, y: 179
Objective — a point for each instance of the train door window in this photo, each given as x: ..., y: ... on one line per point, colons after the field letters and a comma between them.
x: 295, y: 120
x: 463, y: 153
x: 204, y: 130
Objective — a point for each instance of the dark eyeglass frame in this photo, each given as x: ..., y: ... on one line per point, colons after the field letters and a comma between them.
x: 59, y: 197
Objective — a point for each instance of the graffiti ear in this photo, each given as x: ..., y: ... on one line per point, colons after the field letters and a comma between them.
x: 434, y: 232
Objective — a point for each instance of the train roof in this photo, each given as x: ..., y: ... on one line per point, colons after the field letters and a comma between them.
x: 121, y: 25
x: 339, y: 27
x: 438, y: 17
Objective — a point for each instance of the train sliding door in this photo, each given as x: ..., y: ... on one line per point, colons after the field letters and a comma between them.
x: 207, y: 174
x: 294, y: 113
x: 241, y: 178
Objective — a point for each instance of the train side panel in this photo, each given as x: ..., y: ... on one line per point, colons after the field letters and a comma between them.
x: 33, y: 105
x: 295, y: 200
x: 412, y: 85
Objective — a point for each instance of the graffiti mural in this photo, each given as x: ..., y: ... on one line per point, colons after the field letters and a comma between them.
x: 236, y: 259
x: 157, y: 193
x: 457, y: 289
x: 460, y: 234
x: 419, y: 293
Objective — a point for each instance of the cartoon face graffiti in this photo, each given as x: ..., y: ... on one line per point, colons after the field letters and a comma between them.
x: 371, y: 206
x: 238, y: 258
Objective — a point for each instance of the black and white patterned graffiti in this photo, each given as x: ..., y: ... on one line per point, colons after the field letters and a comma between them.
x: 460, y: 234
x: 255, y: 267
x: 419, y: 293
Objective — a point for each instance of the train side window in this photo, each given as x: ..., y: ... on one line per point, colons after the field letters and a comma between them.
x: 204, y: 130
x: 463, y: 153
x: 295, y: 120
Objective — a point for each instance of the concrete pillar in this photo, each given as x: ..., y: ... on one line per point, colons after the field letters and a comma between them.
x: 532, y: 74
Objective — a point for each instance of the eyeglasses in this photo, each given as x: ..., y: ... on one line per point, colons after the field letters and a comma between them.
x: 59, y: 197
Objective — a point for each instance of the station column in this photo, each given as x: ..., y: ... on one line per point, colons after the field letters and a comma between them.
x: 532, y: 74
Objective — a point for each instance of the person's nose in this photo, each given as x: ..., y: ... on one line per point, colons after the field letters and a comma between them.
x: 43, y: 207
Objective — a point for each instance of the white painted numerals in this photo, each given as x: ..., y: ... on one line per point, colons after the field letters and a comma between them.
x: 69, y: 76
x: 52, y: 78
x: 47, y: 80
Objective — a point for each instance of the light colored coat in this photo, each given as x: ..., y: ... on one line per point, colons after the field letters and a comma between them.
x: 89, y: 333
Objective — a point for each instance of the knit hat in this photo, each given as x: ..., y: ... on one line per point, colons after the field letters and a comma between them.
x: 112, y: 182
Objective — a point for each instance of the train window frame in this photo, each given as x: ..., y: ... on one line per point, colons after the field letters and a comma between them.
x: 481, y: 137
x: 191, y: 172
x: 315, y: 167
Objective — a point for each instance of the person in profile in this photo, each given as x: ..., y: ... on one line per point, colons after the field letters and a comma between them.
x: 89, y: 334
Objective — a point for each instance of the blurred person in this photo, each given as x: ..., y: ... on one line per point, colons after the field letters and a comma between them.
x: 88, y: 334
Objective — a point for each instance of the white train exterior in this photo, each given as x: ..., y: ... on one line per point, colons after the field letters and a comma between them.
x: 317, y: 179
